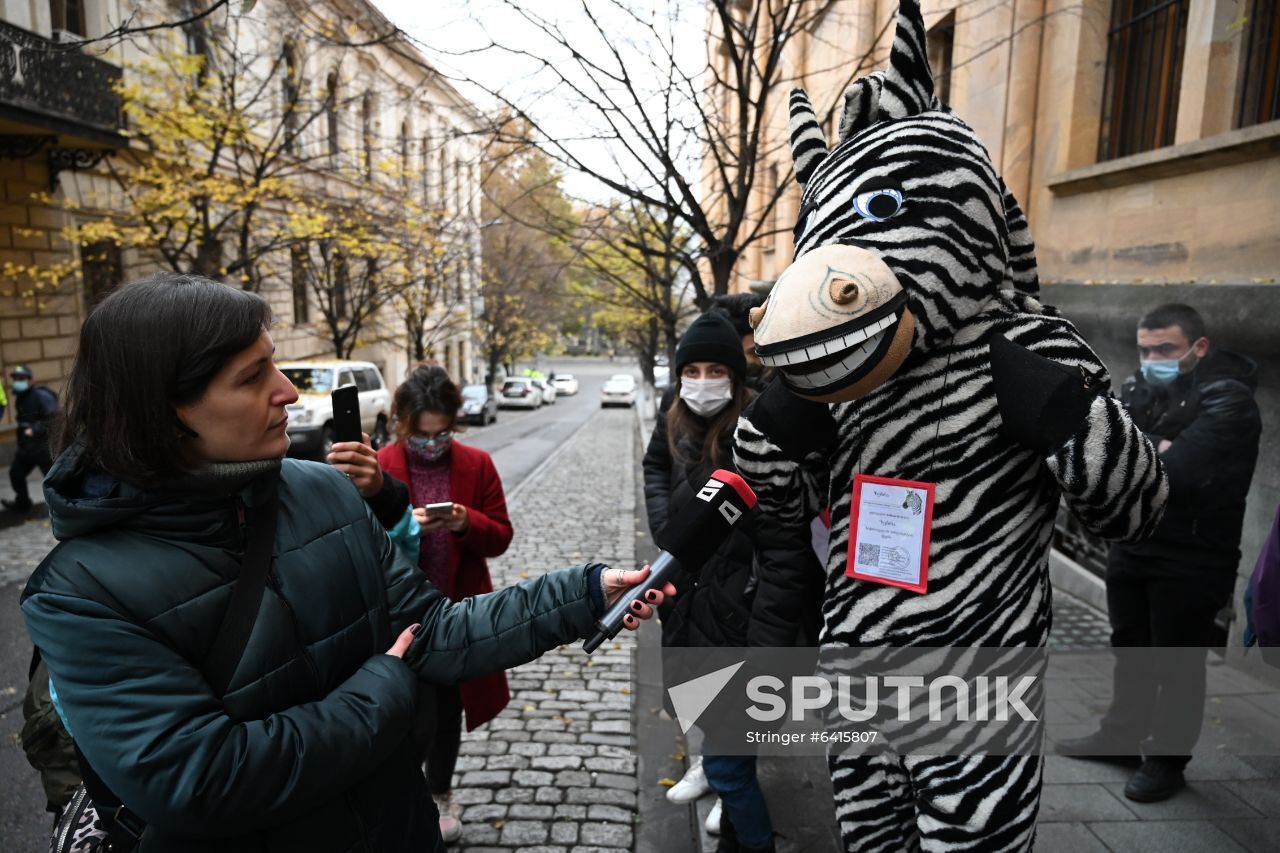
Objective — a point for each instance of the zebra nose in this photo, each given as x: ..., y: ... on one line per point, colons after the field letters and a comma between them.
x: 843, y: 291
x: 755, y: 316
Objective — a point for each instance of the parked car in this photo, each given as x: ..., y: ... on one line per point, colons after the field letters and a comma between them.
x: 478, y: 405
x: 566, y: 384
x: 548, y: 390
x: 519, y: 393
x: 618, y: 390
x: 311, y: 418
x: 661, y: 378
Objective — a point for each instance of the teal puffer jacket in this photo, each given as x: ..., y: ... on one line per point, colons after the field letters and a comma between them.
x: 306, y: 751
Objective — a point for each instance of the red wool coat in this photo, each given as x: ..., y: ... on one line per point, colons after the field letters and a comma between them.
x: 474, y: 483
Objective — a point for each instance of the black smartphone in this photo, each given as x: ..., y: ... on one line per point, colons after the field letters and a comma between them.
x: 346, y: 413
x: 442, y: 508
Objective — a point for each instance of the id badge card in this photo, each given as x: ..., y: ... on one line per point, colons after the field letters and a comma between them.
x: 890, y: 522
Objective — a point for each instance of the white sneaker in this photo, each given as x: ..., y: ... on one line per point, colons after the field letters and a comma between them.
x: 691, y: 786
x: 713, y: 819
x: 450, y: 822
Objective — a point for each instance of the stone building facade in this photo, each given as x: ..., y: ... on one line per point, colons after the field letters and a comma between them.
x: 60, y: 121
x: 1142, y: 137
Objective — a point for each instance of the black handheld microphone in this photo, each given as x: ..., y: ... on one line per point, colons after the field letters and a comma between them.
x: 687, y: 541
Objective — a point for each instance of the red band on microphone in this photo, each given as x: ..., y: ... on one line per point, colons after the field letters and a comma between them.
x: 738, y: 484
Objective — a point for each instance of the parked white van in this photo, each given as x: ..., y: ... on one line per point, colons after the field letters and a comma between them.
x: 311, y: 418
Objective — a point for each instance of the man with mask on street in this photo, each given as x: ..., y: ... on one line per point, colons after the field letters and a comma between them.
x: 34, y: 409
x: 737, y: 307
x: 1194, y: 401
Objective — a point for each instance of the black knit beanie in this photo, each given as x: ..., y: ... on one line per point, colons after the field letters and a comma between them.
x: 712, y: 337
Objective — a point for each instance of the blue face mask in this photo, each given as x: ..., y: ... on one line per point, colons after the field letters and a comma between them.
x: 1162, y: 371
x: 20, y: 386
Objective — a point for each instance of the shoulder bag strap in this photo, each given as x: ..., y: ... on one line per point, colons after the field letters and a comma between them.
x: 246, y: 597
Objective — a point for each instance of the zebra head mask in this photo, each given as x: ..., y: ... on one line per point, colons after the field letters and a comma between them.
x: 905, y: 230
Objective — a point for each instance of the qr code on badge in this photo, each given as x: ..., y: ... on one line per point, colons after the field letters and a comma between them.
x: 868, y: 555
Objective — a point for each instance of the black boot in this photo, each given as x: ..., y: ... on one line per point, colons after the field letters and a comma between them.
x: 1157, y: 779
x: 729, y: 842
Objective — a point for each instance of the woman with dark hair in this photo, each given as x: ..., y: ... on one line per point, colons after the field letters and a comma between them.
x: 170, y: 469
x: 692, y: 438
x: 454, y: 547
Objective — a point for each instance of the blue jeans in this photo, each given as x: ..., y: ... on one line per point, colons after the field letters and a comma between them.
x: 733, y: 777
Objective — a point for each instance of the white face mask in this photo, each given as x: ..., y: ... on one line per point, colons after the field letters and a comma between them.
x: 706, y: 396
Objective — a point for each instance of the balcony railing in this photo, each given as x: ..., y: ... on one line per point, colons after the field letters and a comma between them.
x: 57, y: 86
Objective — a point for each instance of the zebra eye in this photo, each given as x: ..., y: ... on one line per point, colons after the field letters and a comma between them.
x: 878, y: 205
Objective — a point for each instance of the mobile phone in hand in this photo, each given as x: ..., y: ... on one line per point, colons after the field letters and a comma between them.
x: 346, y: 414
x: 443, y: 508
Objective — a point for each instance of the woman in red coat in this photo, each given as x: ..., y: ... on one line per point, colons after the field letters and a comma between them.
x: 453, y: 550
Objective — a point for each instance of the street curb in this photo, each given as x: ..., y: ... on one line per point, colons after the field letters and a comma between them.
x: 1074, y: 579
x: 660, y: 826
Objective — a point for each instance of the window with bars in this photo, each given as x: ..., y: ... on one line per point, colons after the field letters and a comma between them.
x: 341, y: 281
x: 300, y: 263
x: 68, y: 16
x: 941, y: 44
x: 102, y: 269
x: 196, y: 34
x: 331, y: 117
x: 367, y: 110
x: 1259, y: 98
x: 1144, y: 73
x: 404, y: 153
x: 290, y: 93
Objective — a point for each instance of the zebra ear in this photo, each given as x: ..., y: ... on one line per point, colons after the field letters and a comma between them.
x: 908, y: 84
x: 861, y: 104
x: 808, y: 143
x: 1022, y: 249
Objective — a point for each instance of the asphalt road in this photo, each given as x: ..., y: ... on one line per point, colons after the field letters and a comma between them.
x: 519, y: 442
x: 521, y: 439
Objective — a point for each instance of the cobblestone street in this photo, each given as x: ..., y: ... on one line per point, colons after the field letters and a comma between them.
x: 557, y: 770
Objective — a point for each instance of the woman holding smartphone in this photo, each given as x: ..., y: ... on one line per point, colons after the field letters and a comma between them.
x: 458, y: 500
x: 170, y: 479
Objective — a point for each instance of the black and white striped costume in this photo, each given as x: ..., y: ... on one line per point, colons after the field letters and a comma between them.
x: 961, y: 248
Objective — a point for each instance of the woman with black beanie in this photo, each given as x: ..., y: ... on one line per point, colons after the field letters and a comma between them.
x: 692, y: 438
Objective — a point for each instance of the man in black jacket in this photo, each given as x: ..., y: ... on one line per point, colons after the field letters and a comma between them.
x: 1195, y: 402
x: 34, y: 409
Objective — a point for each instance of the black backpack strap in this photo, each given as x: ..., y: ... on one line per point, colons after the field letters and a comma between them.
x: 246, y: 597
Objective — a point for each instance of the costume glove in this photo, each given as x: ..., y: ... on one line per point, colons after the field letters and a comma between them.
x: 1042, y: 402
x: 796, y: 425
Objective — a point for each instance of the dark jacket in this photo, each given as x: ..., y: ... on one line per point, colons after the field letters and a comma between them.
x: 1212, y: 420
x: 307, y: 749
x: 712, y: 606
x: 34, y: 409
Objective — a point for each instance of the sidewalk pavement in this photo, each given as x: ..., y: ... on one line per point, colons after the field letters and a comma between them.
x: 556, y: 771
x: 24, y: 540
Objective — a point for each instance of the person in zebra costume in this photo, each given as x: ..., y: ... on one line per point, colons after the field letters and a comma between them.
x: 911, y: 345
